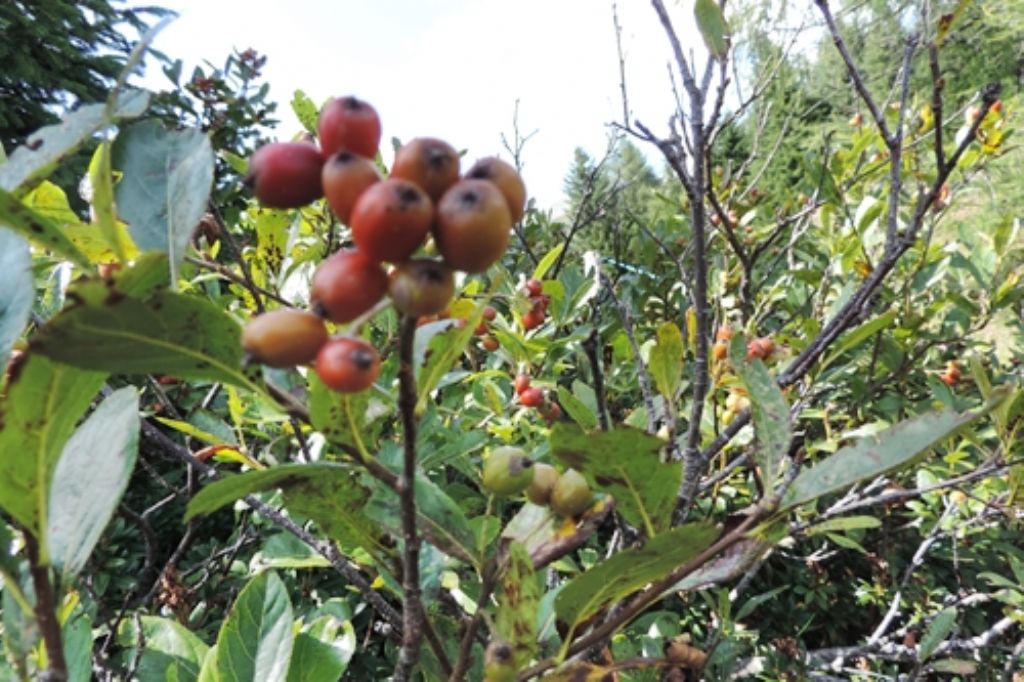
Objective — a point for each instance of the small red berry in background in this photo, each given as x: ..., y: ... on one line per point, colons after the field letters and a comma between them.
x: 522, y: 383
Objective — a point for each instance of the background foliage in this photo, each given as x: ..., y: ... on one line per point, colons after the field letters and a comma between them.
x: 892, y: 547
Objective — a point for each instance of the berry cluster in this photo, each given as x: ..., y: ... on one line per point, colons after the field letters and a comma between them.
x: 539, y: 305
x: 532, y: 396
x: 508, y: 471
x: 483, y: 330
x: 468, y: 216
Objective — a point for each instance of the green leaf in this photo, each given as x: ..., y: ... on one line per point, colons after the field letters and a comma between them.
x: 941, y: 627
x: 76, y: 640
x: 49, y: 201
x: 576, y: 409
x: 440, y: 519
x: 255, y: 641
x: 518, y: 601
x: 328, y: 493
x: 751, y: 604
x: 44, y: 402
x: 166, y: 183
x: 20, y: 629
x: 191, y: 430
x: 284, y: 550
x: 315, y: 660
x: 630, y: 570
x: 169, y: 651
x: 533, y: 526
x: 208, y: 671
x: 876, y: 455
x: 168, y: 333
x: 342, y: 417
x: 626, y: 463
x: 955, y: 666
x: 39, y: 229
x: 844, y: 523
x: 306, y: 111
x: 713, y: 27
x: 90, y: 477
x: 102, y: 202
x: 845, y: 542
x: 48, y: 147
x: 769, y: 411
x: 442, y: 350
x: 857, y: 336
x: 547, y: 261
x: 666, y: 360
x: 17, y: 290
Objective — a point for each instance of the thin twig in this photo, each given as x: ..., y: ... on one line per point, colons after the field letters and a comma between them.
x: 412, y: 606
x: 46, y: 614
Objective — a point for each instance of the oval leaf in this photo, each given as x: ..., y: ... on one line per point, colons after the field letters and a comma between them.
x: 170, y: 650
x: 90, y: 478
x: 666, y: 363
x: 875, y: 455
x: 39, y: 229
x: 168, y: 333
x: 16, y: 290
x: 712, y: 26
x: 518, y: 601
x: 44, y: 402
x: 255, y: 641
x: 48, y: 146
x: 769, y: 412
x: 627, y: 464
x: 630, y: 570
x: 166, y: 183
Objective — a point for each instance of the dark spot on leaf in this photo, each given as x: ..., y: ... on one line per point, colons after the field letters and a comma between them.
x: 606, y: 481
x: 34, y: 144
x: 113, y: 298
x: 36, y: 227
x: 573, y: 459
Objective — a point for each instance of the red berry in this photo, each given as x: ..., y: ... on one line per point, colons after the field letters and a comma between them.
x: 490, y: 313
x: 348, y: 365
x: 532, y: 397
x: 533, y: 319
x: 349, y: 123
x: 522, y: 383
x: 431, y: 163
x: 490, y: 343
x: 346, y: 285
x: 285, y: 174
x: 391, y: 220
x: 345, y: 177
x: 534, y: 288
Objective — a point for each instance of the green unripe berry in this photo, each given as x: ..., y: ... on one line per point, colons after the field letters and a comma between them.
x: 545, y: 477
x: 571, y: 495
x: 507, y: 471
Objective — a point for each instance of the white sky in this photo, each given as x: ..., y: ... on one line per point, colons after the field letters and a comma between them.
x: 451, y: 68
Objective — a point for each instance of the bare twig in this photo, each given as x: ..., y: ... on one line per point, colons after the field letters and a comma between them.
x: 412, y: 606
x: 327, y: 549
